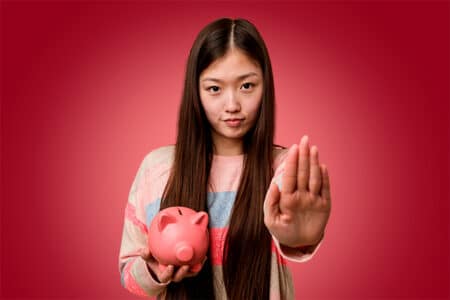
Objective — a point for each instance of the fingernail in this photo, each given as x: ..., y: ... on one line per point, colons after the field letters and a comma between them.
x: 304, y: 140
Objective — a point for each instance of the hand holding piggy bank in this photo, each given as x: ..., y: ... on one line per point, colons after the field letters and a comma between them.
x: 179, y: 236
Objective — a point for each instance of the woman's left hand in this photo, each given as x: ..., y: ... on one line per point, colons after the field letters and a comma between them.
x: 297, y: 215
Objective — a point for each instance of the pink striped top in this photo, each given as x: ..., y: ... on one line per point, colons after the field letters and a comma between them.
x: 144, y: 202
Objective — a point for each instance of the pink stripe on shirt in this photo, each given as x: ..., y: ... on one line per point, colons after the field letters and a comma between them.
x: 130, y: 283
x: 130, y: 214
x: 217, y: 241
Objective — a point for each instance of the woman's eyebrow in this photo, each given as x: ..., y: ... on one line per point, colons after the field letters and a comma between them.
x: 238, y: 78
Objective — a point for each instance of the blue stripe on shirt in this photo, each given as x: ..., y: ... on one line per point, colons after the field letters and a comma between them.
x: 219, y: 208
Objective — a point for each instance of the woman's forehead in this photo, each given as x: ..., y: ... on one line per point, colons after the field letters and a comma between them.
x: 237, y: 78
x: 232, y: 66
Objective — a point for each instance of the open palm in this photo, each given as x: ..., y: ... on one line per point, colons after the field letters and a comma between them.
x: 297, y: 215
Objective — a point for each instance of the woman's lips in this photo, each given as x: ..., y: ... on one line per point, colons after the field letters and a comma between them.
x: 233, y: 122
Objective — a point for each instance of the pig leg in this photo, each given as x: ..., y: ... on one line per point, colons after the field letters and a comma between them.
x: 195, y: 268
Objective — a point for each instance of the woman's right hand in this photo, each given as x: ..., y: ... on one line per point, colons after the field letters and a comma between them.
x: 171, y: 273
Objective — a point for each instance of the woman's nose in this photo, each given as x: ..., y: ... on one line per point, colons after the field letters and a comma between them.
x: 232, y: 102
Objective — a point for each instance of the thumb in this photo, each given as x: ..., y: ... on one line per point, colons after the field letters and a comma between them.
x: 271, y: 204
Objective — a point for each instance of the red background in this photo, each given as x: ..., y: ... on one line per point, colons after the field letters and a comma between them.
x: 88, y: 88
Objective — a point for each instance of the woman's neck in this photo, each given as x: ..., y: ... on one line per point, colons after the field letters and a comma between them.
x: 228, y: 147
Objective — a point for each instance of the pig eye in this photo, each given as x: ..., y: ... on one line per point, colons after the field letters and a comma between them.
x: 179, y: 211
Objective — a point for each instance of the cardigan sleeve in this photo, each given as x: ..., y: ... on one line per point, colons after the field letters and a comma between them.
x: 297, y: 254
x: 134, y: 273
x: 301, y: 254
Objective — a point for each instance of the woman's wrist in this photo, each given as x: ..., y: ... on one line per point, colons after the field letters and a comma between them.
x: 304, y: 248
x: 152, y: 274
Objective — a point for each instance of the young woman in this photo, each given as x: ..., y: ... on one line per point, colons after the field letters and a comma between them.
x: 265, y: 203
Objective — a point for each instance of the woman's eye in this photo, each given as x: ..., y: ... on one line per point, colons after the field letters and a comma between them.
x: 247, y: 85
x: 214, y: 88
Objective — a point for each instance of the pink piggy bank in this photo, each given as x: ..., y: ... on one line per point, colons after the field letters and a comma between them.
x: 178, y: 236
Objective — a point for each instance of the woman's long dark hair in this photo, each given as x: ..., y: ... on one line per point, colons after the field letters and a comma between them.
x: 247, y: 250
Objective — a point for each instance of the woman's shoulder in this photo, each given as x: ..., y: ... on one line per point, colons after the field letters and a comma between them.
x: 160, y: 156
x: 279, y: 155
x: 165, y: 154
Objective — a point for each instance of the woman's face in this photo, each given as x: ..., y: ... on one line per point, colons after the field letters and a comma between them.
x: 230, y: 91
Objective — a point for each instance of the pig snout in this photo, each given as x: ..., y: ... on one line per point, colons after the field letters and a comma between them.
x: 184, y: 252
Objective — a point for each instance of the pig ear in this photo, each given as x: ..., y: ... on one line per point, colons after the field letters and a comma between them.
x: 200, y: 218
x: 164, y: 220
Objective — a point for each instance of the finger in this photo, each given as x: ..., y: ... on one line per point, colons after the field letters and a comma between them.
x: 303, y: 168
x: 271, y: 205
x: 315, y: 179
x: 181, y: 273
x: 290, y: 172
x: 145, y: 254
x: 325, y: 191
x: 195, y: 269
x: 167, y: 274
